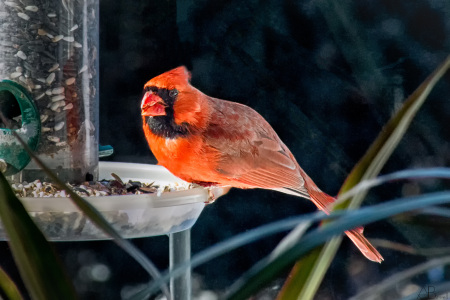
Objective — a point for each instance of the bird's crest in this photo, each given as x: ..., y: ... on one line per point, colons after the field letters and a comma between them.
x: 177, y: 78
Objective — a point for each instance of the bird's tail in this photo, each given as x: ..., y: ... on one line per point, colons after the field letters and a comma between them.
x: 323, y: 201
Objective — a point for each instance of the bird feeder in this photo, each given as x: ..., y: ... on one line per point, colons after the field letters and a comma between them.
x: 48, y: 95
x: 48, y: 90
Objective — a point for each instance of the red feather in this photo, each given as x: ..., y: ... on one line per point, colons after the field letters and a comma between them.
x: 216, y: 142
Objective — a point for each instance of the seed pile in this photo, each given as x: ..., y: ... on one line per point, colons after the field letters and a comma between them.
x: 44, y: 47
x: 73, y: 225
x: 92, y: 188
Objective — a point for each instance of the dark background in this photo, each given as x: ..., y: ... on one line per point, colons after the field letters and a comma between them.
x: 325, y: 74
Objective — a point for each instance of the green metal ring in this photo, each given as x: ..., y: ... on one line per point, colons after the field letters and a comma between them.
x: 10, y: 149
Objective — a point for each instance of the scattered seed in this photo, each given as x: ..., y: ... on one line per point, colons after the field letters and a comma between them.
x: 50, y: 35
x: 58, y: 98
x: 21, y: 55
x: 46, y: 129
x: 41, y: 32
x: 59, y: 126
x: 19, y: 69
x: 32, y: 8
x: 23, y: 16
x: 70, y: 80
x: 74, y: 27
x: 51, y: 15
x: 77, y: 45
x: 44, y: 118
x: 50, y: 78
x: 48, y: 92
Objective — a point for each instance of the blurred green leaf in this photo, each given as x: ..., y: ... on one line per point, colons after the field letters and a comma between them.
x: 381, y: 149
x: 368, y: 167
x: 376, y: 291
x: 289, y: 223
x: 269, y: 268
x: 8, y: 287
x: 97, y: 218
x: 38, y: 264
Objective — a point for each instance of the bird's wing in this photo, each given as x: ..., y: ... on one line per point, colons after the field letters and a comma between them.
x: 252, y: 154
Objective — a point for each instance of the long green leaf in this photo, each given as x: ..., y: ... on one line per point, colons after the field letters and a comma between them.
x: 38, y: 264
x: 8, y: 287
x: 283, y: 225
x: 368, y: 167
x: 268, y: 269
x: 97, y: 218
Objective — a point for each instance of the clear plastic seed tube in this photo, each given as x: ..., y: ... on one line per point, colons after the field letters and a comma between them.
x: 51, y: 48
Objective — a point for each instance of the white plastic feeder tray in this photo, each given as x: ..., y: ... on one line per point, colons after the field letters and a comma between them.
x: 132, y: 216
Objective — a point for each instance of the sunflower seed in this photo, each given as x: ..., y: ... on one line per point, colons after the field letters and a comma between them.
x: 59, y: 126
x: 68, y: 106
x: 58, y: 98
x: 32, y: 8
x: 15, y: 75
x: 54, y: 139
x: 54, y: 106
x: 53, y: 68
x: 50, y: 78
x: 42, y: 32
x: 39, y: 96
x: 11, y: 4
x: 58, y: 90
x: 23, y: 16
x: 69, y: 39
x: 70, y: 80
x: 21, y: 55
x: 84, y: 68
x: 57, y: 38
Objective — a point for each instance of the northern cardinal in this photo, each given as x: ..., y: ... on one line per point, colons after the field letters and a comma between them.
x: 214, y: 142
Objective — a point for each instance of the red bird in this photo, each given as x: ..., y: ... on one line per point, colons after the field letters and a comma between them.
x: 214, y: 142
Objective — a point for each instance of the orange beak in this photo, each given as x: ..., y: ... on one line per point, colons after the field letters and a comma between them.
x: 152, y: 105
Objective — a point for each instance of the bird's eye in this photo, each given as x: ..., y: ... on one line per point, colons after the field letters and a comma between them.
x: 173, y: 93
x: 151, y: 89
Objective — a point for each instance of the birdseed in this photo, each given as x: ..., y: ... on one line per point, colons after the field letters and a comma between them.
x: 48, y: 46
